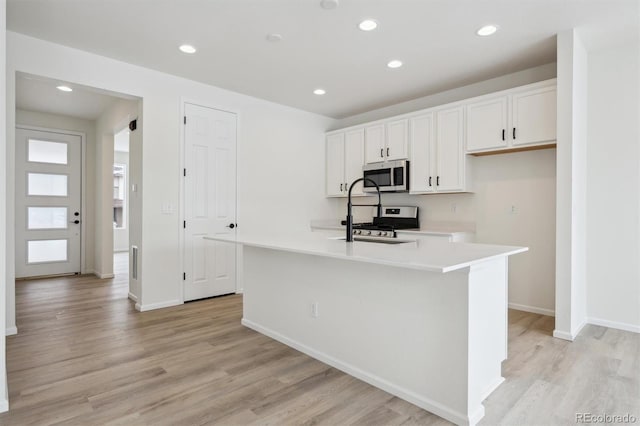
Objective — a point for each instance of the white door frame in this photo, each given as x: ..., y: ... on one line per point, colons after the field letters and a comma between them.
x: 83, y: 185
x: 205, y: 104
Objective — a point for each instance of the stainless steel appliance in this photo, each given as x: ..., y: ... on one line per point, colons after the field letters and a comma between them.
x: 384, y: 227
x: 391, y: 176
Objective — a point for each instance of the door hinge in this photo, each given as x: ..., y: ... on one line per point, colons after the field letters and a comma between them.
x: 184, y: 172
x: 185, y: 119
x: 184, y: 224
x: 184, y: 276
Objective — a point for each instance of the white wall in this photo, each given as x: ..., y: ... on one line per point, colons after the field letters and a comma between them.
x: 4, y: 205
x: 280, y: 152
x: 121, y: 235
x: 571, y: 186
x: 524, y: 180
x: 114, y: 119
x: 613, y: 164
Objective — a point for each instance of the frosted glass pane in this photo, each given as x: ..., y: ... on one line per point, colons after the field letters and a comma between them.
x: 47, y: 152
x: 46, y: 251
x: 47, y: 218
x: 46, y: 184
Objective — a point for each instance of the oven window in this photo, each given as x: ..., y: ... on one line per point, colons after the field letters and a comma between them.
x: 398, y: 176
x: 382, y: 177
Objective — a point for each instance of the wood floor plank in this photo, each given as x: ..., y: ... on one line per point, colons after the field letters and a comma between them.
x: 85, y: 356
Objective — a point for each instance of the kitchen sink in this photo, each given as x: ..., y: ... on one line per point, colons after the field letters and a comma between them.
x: 375, y: 240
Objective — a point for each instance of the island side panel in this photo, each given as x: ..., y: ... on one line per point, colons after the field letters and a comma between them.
x: 487, y: 327
x: 405, y: 331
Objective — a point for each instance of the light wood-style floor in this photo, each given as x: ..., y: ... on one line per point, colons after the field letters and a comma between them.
x: 84, y: 356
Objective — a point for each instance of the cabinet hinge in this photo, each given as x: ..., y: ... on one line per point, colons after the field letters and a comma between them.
x: 184, y: 276
x: 185, y: 119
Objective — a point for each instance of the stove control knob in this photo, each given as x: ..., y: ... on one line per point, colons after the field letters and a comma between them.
x: 358, y: 232
x: 380, y: 233
x: 383, y: 234
x: 367, y: 232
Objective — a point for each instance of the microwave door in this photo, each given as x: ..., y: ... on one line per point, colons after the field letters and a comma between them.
x: 380, y: 176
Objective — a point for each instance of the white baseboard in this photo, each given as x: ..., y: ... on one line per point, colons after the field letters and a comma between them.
x: 124, y: 250
x: 239, y: 291
x: 532, y: 309
x: 103, y: 276
x: 493, y: 386
x: 10, y: 331
x: 152, y: 306
x: 133, y: 297
x: 565, y: 335
x: 420, y: 401
x: 613, y: 324
x: 4, y: 405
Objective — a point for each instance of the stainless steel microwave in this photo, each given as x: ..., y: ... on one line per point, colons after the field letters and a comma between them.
x: 391, y: 176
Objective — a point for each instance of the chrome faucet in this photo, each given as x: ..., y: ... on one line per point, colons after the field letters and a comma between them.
x: 350, y: 207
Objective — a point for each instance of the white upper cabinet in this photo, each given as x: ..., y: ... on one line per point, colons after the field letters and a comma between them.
x: 534, y: 116
x: 374, y: 144
x: 387, y: 141
x: 487, y: 124
x: 335, y: 165
x: 397, y: 140
x: 353, y: 160
x: 438, y: 161
x: 450, y: 155
x: 422, y: 165
x: 515, y: 119
x: 345, y: 158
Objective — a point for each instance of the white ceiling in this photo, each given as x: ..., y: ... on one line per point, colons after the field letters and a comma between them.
x: 40, y: 94
x: 435, y: 39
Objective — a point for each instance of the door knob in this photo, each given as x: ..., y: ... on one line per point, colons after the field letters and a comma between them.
x: 75, y: 221
x: 231, y: 225
x: 76, y: 214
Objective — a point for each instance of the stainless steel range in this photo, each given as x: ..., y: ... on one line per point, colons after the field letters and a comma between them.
x: 393, y: 218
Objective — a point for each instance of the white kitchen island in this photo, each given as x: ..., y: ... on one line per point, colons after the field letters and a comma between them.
x: 425, y: 321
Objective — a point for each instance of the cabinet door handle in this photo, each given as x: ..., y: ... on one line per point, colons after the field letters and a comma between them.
x: 514, y: 133
x: 340, y: 187
x: 346, y: 186
x: 387, y: 152
x: 429, y: 181
x: 381, y: 152
x: 503, y: 133
x: 437, y: 180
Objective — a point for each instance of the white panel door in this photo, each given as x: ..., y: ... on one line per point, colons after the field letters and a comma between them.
x: 210, y: 202
x: 450, y: 150
x: 534, y: 116
x: 354, y: 160
x: 487, y: 124
x: 335, y: 165
x: 374, y: 144
x: 421, y: 169
x: 48, y: 190
x: 397, y: 140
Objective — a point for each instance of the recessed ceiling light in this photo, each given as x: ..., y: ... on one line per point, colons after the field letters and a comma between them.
x: 487, y: 30
x: 274, y: 38
x: 368, y: 25
x: 394, y: 64
x: 329, y: 4
x: 319, y: 92
x: 64, y: 88
x: 187, y: 48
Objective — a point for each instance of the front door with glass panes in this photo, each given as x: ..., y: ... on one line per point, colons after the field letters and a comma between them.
x: 48, y: 191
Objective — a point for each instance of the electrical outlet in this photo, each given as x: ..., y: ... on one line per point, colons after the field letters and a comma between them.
x: 314, y: 309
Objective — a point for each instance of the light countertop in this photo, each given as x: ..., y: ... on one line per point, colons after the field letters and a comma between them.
x: 432, y: 256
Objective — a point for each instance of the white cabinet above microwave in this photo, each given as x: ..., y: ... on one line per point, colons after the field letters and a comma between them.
x: 387, y: 141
